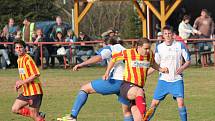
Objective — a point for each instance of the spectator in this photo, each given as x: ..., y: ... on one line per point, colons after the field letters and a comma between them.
x: 27, y: 32
x: 54, y: 48
x: 4, y: 55
x: 205, y: 25
x: 10, y: 30
x: 70, y: 38
x: 59, y: 26
x: 108, y: 34
x: 159, y: 38
x: 40, y: 38
x: 84, y: 50
x: 185, y: 29
x: 179, y: 39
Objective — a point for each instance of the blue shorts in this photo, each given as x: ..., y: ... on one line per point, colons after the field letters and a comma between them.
x: 107, y: 87
x: 176, y: 89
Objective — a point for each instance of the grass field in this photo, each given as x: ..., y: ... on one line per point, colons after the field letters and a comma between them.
x: 60, y: 88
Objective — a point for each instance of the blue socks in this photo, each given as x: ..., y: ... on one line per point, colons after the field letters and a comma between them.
x: 152, y: 113
x: 129, y: 118
x: 79, y: 102
x: 183, y: 113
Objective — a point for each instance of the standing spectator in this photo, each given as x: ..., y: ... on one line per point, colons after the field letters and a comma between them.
x: 185, y: 29
x: 29, y: 100
x: 40, y: 38
x: 84, y: 50
x: 60, y: 26
x: 205, y: 25
x: 27, y: 32
x: 108, y: 34
x: 70, y: 38
x: 169, y: 54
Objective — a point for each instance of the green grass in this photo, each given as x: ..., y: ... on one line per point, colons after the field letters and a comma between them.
x: 61, y: 86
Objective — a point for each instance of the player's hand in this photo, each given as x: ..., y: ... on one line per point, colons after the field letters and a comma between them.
x: 105, y: 76
x: 164, y: 70
x: 19, y: 83
x: 76, y: 67
x: 179, y: 70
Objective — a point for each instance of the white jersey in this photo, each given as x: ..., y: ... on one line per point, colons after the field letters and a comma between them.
x: 171, y: 57
x: 106, y: 54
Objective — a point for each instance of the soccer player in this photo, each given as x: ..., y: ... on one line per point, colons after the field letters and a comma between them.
x: 170, y: 54
x: 137, y: 61
x: 112, y: 86
x: 29, y: 101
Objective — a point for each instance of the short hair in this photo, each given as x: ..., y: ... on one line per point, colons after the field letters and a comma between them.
x: 142, y: 41
x: 20, y: 42
x: 111, y: 40
x: 186, y: 17
x: 168, y: 28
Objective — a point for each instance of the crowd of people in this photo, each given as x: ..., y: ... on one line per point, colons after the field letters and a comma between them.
x: 31, y: 33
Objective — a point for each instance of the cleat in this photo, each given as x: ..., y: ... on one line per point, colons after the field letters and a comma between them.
x: 148, y: 114
x: 66, y: 118
x: 42, y: 114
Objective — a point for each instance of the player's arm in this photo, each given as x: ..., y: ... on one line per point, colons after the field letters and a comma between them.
x: 92, y: 60
x: 158, y: 68
x: 19, y: 83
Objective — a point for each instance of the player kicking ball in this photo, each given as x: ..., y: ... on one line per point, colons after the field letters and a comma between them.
x: 29, y: 101
x: 137, y: 62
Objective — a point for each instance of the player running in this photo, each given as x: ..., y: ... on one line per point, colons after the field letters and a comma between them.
x: 29, y: 101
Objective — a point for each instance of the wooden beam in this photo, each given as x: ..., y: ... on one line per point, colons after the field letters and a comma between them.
x: 173, y: 7
x: 139, y: 10
x: 84, y: 12
x: 162, y: 9
x: 153, y: 9
x: 144, y: 21
x: 76, y: 12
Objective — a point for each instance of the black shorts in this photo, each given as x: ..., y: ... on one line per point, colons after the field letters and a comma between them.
x: 124, y: 88
x: 34, y: 100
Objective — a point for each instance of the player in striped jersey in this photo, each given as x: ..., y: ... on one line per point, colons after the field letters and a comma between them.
x: 99, y: 86
x: 137, y: 61
x: 32, y: 93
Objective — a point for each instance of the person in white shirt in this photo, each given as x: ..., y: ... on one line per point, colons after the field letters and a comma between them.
x: 185, y: 29
x: 170, y: 54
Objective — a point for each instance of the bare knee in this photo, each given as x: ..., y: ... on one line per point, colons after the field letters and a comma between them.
x: 180, y: 102
x: 155, y: 103
x: 88, y: 88
x: 15, y: 109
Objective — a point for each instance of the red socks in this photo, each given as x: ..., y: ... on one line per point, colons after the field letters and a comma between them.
x: 24, y: 112
x: 141, y: 104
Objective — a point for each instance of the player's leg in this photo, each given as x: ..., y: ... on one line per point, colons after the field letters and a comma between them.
x: 81, y: 99
x: 136, y: 113
x: 19, y: 107
x: 177, y: 90
x: 160, y: 93
x: 126, y: 108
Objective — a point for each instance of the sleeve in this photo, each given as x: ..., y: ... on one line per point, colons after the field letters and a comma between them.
x: 105, y: 53
x: 185, y: 53
x: 118, y: 56
x: 30, y: 64
x: 182, y: 28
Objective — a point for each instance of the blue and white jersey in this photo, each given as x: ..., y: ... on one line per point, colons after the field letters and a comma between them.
x: 106, y: 54
x: 171, y: 57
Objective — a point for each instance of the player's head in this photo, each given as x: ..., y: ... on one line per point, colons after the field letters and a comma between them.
x: 168, y: 33
x: 20, y: 47
x: 111, y: 41
x: 143, y: 46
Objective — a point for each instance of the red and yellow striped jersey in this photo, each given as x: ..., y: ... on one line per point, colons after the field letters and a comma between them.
x: 136, y: 65
x: 28, y: 68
